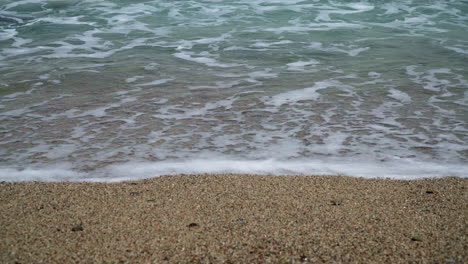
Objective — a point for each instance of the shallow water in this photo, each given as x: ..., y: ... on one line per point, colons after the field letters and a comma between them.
x: 112, y: 90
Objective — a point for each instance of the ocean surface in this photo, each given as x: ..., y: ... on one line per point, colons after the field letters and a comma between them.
x: 109, y: 90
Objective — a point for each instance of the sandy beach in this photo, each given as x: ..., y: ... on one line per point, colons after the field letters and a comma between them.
x: 236, y: 219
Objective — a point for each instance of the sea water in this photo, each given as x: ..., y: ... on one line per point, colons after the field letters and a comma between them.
x: 108, y: 90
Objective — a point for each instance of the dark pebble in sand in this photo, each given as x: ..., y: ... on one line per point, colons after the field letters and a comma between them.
x: 429, y: 192
x: 77, y: 228
x: 193, y: 225
x: 415, y: 238
x: 240, y: 220
x: 335, y: 203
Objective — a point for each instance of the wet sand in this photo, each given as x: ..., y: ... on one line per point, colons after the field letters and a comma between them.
x: 236, y: 219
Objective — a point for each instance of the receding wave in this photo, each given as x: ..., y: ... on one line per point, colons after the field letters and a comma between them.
x: 108, y: 90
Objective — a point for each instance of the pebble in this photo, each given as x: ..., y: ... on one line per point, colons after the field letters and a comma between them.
x: 77, y: 228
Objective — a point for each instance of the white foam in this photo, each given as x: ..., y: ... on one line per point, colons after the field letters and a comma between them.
x: 429, y: 79
x: 336, y: 48
x: 97, y: 112
x: 391, y: 8
x: 418, y: 20
x: 62, y: 20
x: 374, y: 74
x: 351, y: 112
x: 262, y: 44
x: 45, y: 76
x: 233, y: 48
x: 415, y: 24
x: 59, y: 151
x: 19, y: 3
x: 252, y: 76
x: 188, y: 44
x: 49, y: 174
x: 400, y: 96
x: 217, y: 85
x: 458, y: 50
x: 250, y: 79
x: 134, y: 78
x: 310, y: 93
x: 198, y: 111
x: 300, y: 65
x: 17, y: 112
x: 155, y: 82
x: 203, y: 60
x: 313, y: 27
x: 9, y: 17
x: 324, y: 15
x: 265, y: 74
x: 355, y: 52
x: 404, y: 169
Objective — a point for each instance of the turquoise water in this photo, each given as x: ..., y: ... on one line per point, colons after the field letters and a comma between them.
x: 111, y: 90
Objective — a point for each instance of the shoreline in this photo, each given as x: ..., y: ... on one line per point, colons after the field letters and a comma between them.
x: 234, y: 218
x: 404, y: 169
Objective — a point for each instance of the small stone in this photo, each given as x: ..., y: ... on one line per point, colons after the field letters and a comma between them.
x: 193, y: 225
x: 240, y: 220
x: 415, y: 238
x: 335, y: 203
x: 429, y: 192
x: 303, y: 258
x: 77, y: 228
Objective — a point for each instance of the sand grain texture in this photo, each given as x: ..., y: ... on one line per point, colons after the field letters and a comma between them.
x: 236, y: 219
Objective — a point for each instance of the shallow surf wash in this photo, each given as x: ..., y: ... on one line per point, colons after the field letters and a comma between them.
x: 111, y: 90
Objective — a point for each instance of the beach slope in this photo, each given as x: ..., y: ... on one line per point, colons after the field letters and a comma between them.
x: 236, y: 219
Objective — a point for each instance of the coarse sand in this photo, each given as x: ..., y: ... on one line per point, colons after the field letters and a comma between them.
x: 227, y: 218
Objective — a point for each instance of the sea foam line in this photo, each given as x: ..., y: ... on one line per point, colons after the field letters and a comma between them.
x: 402, y: 169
